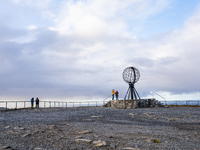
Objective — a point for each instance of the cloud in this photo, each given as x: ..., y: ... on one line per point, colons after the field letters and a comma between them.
x: 179, y: 74
x: 96, y: 18
x: 31, y: 27
x: 82, y: 53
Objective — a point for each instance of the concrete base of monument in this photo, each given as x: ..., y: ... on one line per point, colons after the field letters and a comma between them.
x: 122, y: 104
x: 131, y: 104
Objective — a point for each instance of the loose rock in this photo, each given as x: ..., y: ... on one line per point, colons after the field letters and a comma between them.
x: 130, y: 148
x: 99, y: 143
x: 84, y: 132
x: 83, y: 140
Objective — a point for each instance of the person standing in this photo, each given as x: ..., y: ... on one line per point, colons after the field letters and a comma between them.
x: 32, y: 102
x: 37, y: 102
x: 113, y: 93
x: 116, y: 95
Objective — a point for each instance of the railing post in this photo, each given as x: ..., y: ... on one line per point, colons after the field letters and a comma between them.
x: 80, y: 104
x: 50, y: 104
x: 66, y: 105
x: 24, y: 104
x: 88, y: 104
x: 73, y: 104
x: 16, y: 106
x: 44, y: 104
x: 96, y: 104
x: 6, y: 105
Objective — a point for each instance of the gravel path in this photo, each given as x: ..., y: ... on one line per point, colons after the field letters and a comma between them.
x: 100, y: 128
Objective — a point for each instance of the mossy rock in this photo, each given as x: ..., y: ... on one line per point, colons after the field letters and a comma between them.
x: 156, y: 141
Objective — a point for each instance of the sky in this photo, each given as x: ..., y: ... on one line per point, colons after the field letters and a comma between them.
x: 77, y: 50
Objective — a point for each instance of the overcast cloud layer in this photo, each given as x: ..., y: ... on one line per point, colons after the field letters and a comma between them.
x: 77, y: 50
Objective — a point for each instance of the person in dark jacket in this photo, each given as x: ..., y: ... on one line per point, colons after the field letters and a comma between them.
x: 116, y: 95
x: 32, y: 102
x: 37, y: 102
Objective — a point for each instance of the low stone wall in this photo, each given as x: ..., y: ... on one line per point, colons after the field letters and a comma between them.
x: 149, y: 103
x: 130, y: 104
x: 122, y: 104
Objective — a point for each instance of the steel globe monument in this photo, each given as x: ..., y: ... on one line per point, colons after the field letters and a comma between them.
x: 131, y: 75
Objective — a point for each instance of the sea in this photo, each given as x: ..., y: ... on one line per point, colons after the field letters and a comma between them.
x: 182, y: 102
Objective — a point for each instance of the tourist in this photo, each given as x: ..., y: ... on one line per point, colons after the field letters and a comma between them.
x: 32, y: 102
x: 37, y: 102
x: 113, y: 93
x: 116, y: 95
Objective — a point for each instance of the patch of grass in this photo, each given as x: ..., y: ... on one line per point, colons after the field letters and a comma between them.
x: 189, y: 114
x: 156, y: 141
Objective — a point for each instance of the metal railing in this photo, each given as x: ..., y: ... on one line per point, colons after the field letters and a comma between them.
x: 47, y: 104
x: 159, y: 96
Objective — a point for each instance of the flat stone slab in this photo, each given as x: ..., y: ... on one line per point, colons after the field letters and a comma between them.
x: 99, y: 143
x: 83, y: 141
x: 84, y: 132
x: 96, y: 116
x: 130, y: 148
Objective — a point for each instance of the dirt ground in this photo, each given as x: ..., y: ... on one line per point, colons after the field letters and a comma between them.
x: 101, y: 128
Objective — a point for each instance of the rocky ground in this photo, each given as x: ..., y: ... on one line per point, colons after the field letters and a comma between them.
x: 100, y: 128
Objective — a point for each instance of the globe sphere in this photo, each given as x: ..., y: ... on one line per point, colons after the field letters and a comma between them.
x: 131, y: 75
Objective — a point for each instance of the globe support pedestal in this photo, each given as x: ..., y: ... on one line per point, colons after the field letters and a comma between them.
x: 131, y: 92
